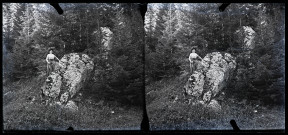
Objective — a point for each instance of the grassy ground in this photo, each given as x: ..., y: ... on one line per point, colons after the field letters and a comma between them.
x: 95, y: 113
x: 166, y: 113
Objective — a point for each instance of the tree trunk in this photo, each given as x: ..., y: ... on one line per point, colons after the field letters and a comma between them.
x: 222, y: 34
x: 80, y: 34
x: 27, y: 8
x: 230, y: 43
x: 99, y: 32
x: 170, y: 31
x: 28, y: 20
x: 86, y: 29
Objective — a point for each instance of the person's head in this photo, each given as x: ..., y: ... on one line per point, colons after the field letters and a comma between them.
x: 50, y: 51
x: 193, y: 50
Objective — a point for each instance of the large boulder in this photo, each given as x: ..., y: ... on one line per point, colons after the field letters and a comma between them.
x: 70, y: 75
x: 211, y: 76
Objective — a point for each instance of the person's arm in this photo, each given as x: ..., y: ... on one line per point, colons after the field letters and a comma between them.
x: 190, y: 58
x: 56, y: 58
x: 47, y: 59
x: 199, y: 57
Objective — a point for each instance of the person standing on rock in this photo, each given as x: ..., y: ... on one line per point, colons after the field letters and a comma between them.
x: 50, y: 62
x: 193, y: 60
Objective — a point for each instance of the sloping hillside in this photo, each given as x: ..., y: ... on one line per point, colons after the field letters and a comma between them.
x: 23, y: 109
x: 168, y: 109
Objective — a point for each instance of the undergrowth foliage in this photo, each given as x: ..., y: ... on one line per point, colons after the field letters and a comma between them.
x: 24, y: 110
x: 169, y: 110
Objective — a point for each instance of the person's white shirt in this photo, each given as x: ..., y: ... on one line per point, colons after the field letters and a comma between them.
x: 50, y: 56
x: 193, y: 56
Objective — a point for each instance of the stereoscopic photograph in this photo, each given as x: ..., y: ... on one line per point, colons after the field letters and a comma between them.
x: 209, y: 66
x: 72, y: 66
x: 143, y: 66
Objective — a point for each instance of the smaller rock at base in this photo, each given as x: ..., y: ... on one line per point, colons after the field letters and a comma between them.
x: 214, y: 105
x: 201, y: 102
x: 64, y: 97
x: 58, y: 103
x: 207, y: 96
x: 71, y: 105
